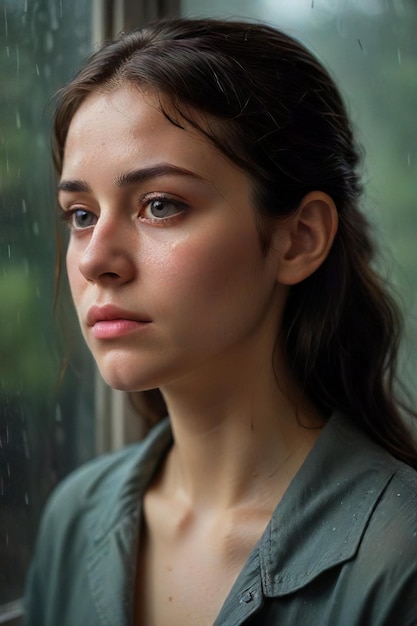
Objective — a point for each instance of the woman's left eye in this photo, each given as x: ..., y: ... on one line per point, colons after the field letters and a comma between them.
x: 161, y: 208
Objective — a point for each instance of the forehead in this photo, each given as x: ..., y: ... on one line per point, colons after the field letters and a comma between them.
x: 125, y: 128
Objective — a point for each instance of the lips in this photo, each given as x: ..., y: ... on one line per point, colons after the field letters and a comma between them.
x: 109, y: 313
x: 110, y: 322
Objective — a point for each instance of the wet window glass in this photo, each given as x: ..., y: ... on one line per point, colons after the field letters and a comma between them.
x: 369, y: 47
x: 46, y: 415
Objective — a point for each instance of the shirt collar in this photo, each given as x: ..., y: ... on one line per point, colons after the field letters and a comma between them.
x: 115, y: 525
x: 319, y: 522
x: 321, y: 518
x: 126, y: 482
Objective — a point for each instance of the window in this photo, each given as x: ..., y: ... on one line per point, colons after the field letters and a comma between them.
x: 55, y: 412
x: 46, y: 424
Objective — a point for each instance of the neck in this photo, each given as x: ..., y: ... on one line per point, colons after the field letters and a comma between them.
x: 237, y: 438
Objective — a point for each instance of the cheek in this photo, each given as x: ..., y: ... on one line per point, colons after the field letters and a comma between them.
x: 205, y: 270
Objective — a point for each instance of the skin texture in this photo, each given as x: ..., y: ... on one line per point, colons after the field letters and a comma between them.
x: 199, y: 276
x: 206, y: 305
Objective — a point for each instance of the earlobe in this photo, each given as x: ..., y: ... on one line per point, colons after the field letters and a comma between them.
x: 310, y: 233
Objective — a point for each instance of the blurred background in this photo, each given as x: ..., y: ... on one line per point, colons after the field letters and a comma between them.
x: 55, y: 412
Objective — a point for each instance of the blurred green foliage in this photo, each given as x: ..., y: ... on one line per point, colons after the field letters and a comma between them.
x: 45, y: 428
x: 43, y: 43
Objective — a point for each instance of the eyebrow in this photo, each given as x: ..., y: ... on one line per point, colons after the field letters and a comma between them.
x: 74, y: 186
x: 134, y: 177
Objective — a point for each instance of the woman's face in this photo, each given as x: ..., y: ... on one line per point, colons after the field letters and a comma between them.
x: 164, y: 260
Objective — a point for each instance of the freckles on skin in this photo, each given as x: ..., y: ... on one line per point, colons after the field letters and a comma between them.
x: 201, y: 277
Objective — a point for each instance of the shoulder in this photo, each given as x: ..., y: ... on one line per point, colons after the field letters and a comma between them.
x: 385, y: 487
x: 84, y: 489
x: 388, y: 485
x: 104, y: 489
x: 383, y: 572
x: 392, y: 531
x: 401, y: 492
x: 89, y: 505
x: 346, y: 528
x: 358, y: 504
x: 85, y: 485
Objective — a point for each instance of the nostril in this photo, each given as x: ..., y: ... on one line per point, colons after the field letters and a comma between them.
x: 105, y: 257
x: 108, y: 276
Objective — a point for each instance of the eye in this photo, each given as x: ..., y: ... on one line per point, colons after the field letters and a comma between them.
x: 161, y: 208
x: 83, y: 219
x: 79, y: 219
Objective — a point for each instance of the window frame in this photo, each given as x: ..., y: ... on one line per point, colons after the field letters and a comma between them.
x: 117, y: 422
x: 110, y: 17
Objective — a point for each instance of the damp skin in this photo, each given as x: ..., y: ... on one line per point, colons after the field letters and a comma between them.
x: 162, y: 226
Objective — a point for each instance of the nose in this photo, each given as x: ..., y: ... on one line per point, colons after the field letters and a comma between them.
x: 108, y: 256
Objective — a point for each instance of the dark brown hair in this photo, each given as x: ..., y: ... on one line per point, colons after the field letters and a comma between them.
x: 272, y: 109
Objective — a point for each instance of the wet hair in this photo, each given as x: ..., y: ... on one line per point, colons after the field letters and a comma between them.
x: 268, y: 104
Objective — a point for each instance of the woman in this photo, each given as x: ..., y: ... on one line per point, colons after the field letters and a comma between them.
x: 208, y: 173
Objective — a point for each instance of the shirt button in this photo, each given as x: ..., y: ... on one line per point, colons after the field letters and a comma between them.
x: 247, y: 597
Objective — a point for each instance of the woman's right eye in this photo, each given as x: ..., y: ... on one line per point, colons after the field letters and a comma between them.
x: 78, y: 219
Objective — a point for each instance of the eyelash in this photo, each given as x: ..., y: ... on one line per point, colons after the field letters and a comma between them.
x: 69, y: 214
x: 147, y: 200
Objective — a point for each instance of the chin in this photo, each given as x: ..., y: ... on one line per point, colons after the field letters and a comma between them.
x: 127, y: 379
x: 125, y: 383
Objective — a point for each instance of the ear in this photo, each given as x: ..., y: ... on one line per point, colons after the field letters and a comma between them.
x: 306, y: 237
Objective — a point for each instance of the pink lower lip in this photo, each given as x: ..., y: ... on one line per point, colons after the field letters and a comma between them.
x: 110, y: 329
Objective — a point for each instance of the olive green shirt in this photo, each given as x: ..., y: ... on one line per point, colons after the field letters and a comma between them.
x: 340, y: 548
